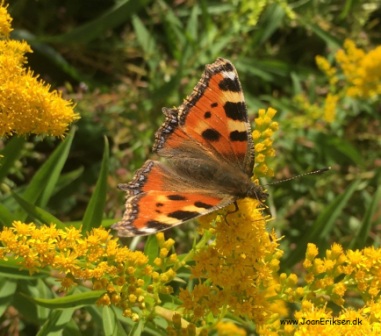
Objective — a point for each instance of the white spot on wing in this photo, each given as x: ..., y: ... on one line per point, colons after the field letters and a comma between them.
x: 229, y: 74
x: 148, y: 230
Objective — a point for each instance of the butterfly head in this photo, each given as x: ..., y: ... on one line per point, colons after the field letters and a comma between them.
x: 257, y: 192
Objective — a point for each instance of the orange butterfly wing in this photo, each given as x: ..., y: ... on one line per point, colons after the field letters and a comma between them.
x: 158, y: 199
x: 214, y: 116
x: 209, y: 150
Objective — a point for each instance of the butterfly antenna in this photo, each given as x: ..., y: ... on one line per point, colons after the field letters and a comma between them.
x: 319, y: 171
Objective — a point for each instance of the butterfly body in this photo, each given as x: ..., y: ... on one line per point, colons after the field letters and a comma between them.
x: 209, y: 158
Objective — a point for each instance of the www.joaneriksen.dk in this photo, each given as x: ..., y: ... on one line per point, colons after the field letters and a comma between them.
x: 321, y: 321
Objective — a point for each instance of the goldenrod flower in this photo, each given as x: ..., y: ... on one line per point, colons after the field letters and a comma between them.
x: 357, y: 270
x: 330, y: 108
x: 326, y: 67
x: 264, y: 129
x: 310, y: 114
x: 26, y: 105
x: 362, y: 70
x: 5, y: 21
x: 312, y: 251
x: 236, y: 268
x: 229, y: 329
x: 356, y: 74
x: 126, y: 276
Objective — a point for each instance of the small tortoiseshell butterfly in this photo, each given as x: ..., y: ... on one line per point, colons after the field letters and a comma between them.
x: 209, y: 154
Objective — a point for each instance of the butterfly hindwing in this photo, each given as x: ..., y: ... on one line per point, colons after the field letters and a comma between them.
x: 158, y: 199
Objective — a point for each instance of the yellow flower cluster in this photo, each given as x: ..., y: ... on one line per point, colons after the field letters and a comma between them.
x: 330, y: 105
x: 313, y: 113
x: 362, y: 70
x: 328, y: 280
x: 5, y: 21
x: 328, y: 69
x: 177, y: 326
x: 229, y: 329
x: 356, y: 74
x: 249, y: 11
x: 356, y: 270
x: 313, y: 320
x: 263, y: 148
x: 236, y: 270
x: 26, y: 105
x: 126, y: 276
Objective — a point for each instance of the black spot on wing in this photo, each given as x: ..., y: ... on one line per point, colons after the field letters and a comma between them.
x: 236, y: 111
x: 238, y: 136
x: 203, y: 205
x: 229, y: 84
x: 176, y: 197
x: 183, y: 215
x: 211, y: 134
x: 159, y: 226
x: 228, y: 66
x: 158, y: 204
x: 207, y: 115
x: 213, y: 104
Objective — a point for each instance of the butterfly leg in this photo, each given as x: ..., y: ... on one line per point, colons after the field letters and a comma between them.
x: 236, y: 208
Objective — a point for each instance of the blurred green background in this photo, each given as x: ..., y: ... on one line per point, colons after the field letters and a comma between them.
x: 122, y: 61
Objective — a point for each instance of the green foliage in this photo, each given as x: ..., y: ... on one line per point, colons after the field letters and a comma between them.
x: 122, y: 61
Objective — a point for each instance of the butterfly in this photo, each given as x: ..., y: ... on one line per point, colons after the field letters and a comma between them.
x: 209, y: 158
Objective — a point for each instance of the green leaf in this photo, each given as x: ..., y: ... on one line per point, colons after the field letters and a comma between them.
x: 7, y: 289
x: 192, y: 25
x: 331, y: 41
x: 363, y: 234
x: 11, y: 269
x: 346, y: 9
x: 42, y: 184
x: 175, y: 33
x: 347, y: 150
x: 118, y: 14
x: 11, y: 153
x: 56, y: 322
x: 37, y: 213
x: 323, y: 226
x: 69, y: 301
x: 32, y: 288
x: 72, y: 329
x: 144, y: 37
x: 151, y: 248
x: 137, y: 329
x: 272, y: 19
x: 296, y: 83
x: 111, y: 324
x: 94, y: 211
x: 106, y: 223
x: 68, y: 178
x: 55, y: 171
x: 6, y: 217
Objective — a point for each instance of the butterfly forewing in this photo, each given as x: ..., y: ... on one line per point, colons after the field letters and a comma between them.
x: 215, y: 117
